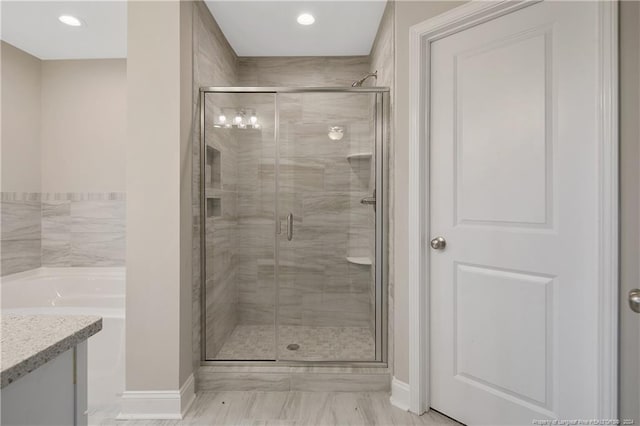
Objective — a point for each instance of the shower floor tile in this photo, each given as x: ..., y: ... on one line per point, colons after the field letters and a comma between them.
x: 257, y: 342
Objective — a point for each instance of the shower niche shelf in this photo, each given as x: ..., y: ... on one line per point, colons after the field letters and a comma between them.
x: 359, y: 261
x: 214, y: 207
x: 212, y: 175
x: 360, y: 156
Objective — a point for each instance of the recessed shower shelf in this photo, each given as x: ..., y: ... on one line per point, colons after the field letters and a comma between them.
x: 214, y: 207
x: 359, y: 261
x: 360, y: 156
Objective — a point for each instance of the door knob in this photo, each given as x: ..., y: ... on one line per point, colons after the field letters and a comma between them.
x: 634, y: 300
x: 439, y: 243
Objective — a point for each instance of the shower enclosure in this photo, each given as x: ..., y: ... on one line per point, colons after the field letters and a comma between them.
x: 293, y: 224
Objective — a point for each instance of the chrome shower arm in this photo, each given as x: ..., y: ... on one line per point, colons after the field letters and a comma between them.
x: 363, y: 79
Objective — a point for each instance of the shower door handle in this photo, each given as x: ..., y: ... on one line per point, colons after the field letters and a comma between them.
x: 290, y: 226
x: 368, y: 200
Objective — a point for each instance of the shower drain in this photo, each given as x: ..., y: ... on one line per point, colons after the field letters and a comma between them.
x: 293, y: 346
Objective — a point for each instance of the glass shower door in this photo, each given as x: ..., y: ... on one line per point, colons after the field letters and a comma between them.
x: 328, y: 303
x: 239, y: 163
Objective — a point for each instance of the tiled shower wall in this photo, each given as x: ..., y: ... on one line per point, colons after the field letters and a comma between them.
x: 221, y: 229
x: 242, y: 277
x: 214, y: 64
x: 62, y: 230
x: 320, y: 186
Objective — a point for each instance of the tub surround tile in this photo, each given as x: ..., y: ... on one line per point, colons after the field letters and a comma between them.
x: 97, y: 249
x: 84, y: 196
x: 56, y: 253
x: 21, y: 220
x: 56, y: 215
x: 29, y: 341
x: 20, y: 196
x: 56, y: 233
x: 83, y: 229
x: 62, y: 229
x: 20, y: 256
x: 20, y: 235
x: 97, y: 216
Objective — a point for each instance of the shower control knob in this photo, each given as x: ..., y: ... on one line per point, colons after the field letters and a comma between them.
x: 438, y: 243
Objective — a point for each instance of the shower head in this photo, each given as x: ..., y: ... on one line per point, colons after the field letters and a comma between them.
x: 363, y: 79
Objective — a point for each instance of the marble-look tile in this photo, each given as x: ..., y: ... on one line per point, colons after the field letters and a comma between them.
x: 21, y: 220
x: 97, y: 216
x: 20, y: 196
x: 57, y: 252
x: 97, y: 249
x: 336, y: 107
x: 21, y: 232
x: 84, y: 196
x: 214, y: 64
x: 56, y: 216
x: 327, y: 209
x: 56, y: 233
x: 302, y: 71
x: 81, y: 229
x: 19, y: 256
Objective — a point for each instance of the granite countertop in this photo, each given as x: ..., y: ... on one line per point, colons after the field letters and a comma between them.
x: 29, y: 341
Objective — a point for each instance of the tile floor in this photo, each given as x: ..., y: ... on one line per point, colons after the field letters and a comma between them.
x: 290, y: 409
x: 257, y: 342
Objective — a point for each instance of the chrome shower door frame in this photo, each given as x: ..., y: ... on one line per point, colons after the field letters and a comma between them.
x: 382, y: 136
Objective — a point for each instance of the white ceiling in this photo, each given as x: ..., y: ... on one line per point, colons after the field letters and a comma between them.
x: 269, y: 28
x: 33, y: 26
x: 254, y: 28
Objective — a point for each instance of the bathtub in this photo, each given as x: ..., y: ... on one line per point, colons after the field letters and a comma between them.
x: 80, y: 291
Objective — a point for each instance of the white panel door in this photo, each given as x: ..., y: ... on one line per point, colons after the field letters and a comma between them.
x: 513, y: 190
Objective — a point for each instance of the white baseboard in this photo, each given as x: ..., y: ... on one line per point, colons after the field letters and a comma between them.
x: 399, y: 394
x: 158, y: 405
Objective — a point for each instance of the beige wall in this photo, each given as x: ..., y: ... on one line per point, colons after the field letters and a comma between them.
x: 408, y: 13
x: 630, y: 205
x: 83, y: 125
x: 187, y: 120
x: 21, y: 88
x: 57, y: 113
x: 153, y: 309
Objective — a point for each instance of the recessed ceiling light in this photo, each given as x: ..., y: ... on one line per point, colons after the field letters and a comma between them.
x: 306, y: 19
x: 72, y: 21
